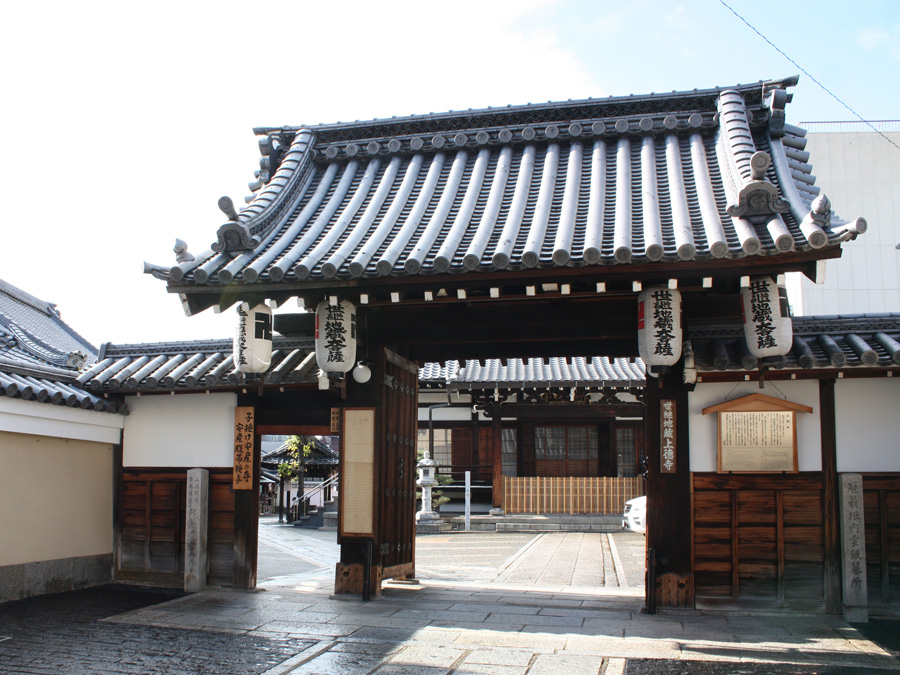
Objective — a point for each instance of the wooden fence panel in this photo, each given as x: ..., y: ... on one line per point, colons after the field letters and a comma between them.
x: 569, y: 494
x: 759, y: 541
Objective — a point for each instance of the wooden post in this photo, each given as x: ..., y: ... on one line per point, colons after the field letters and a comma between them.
x: 669, y: 514
x: 829, y: 497
x: 497, y: 457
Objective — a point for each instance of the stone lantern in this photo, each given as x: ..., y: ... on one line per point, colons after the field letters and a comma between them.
x: 427, y: 480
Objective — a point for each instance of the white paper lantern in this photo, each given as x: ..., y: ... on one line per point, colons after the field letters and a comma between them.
x: 768, y: 328
x: 253, y: 340
x: 336, y: 336
x: 659, y: 326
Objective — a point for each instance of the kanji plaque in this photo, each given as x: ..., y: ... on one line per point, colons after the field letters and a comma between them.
x: 243, y: 448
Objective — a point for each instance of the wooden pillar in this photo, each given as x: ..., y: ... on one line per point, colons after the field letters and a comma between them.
x: 118, y: 483
x: 830, y: 497
x: 246, y: 526
x: 359, y: 570
x: 497, y: 463
x: 669, y: 514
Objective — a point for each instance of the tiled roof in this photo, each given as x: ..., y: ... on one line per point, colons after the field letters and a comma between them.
x: 438, y: 374
x: 40, y: 355
x: 820, y: 343
x: 686, y: 176
x: 598, y: 371
x: 830, y: 342
x: 321, y: 455
x: 173, y: 366
x: 32, y: 330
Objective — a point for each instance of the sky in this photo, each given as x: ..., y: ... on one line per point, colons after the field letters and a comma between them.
x: 122, y: 123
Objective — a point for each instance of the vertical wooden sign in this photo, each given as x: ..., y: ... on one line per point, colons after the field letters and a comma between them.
x: 667, y: 445
x: 243, y: 448
x: 336, y: 420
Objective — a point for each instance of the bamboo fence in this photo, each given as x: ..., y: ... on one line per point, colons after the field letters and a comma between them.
x: 570, y: 494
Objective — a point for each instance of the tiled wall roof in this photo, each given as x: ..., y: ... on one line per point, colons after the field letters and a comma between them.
x: 40, y: 355
x: 193, y: 365
x: 820, y: 343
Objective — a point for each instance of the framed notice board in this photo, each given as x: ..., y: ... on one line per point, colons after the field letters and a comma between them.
x: 358, y: 473
x: 757, y: 434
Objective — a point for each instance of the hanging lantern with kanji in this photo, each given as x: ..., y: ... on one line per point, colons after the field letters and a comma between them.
x: 659, y: 327
x: 253, y: 339
x: 336, y: 336
x: 768, y: 328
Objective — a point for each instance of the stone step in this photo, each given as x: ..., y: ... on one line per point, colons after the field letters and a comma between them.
x: 329, y: 521
x: 433, y: 527
x: 541, y: 523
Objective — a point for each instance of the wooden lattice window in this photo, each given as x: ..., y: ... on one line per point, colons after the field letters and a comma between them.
x: 566, y: 451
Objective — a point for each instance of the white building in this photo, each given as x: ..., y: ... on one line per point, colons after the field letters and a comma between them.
x: 858, y: 168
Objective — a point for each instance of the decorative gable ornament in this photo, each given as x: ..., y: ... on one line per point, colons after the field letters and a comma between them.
x: 768, y: 328
x: 253, y: 339
x: 336, y: 336
x: 659, y: 327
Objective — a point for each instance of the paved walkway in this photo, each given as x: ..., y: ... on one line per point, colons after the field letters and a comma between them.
x: 507, y: 610
x: 524, y: 604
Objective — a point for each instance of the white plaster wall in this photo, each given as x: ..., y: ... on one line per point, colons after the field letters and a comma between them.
x: 704, y: 429
x: 446, y: 414
x: 187, y: 430
x: 56, y: 498
x: 868, y: 424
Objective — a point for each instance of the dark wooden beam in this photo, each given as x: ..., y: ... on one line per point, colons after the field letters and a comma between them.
x: 830, y: 496
x: 573, y: 412
x: 669, y: 517
x: 497, y: 463
x: 201, y: 297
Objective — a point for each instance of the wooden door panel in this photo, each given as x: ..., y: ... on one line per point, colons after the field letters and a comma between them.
x: 396, y: 501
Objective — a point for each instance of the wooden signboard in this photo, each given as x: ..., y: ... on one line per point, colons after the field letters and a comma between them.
x: 243, y: 448
x: 757, y: 434
x: 667, y: 436
x: 358, y: 473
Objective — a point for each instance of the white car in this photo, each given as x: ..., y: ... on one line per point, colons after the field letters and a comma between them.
x: 635, y: 516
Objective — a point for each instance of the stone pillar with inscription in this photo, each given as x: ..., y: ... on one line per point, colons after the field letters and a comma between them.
x: 195, y: 530
x: 853, y: 549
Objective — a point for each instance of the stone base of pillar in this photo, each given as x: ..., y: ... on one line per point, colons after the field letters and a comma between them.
x: 497, y: 512
x: 426, y: 516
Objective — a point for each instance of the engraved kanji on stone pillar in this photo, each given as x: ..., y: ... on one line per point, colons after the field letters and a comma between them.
x: 853, y: 549
x: 195, y: 530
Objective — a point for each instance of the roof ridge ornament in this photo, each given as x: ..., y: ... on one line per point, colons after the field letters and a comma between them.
x: 758, y: 197
x: 232, y: 237
x: 181, y: 251
x: 751, y: 196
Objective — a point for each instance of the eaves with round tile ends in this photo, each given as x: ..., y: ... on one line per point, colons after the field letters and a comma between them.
x: 696, y: 177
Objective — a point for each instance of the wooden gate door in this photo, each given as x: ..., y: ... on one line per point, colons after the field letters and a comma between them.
x: 397, y: 476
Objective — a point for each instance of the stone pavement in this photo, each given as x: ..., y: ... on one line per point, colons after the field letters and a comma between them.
x: 505, y: 612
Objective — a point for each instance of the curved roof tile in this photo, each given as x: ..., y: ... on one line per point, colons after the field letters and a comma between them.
x: 675, y: 177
